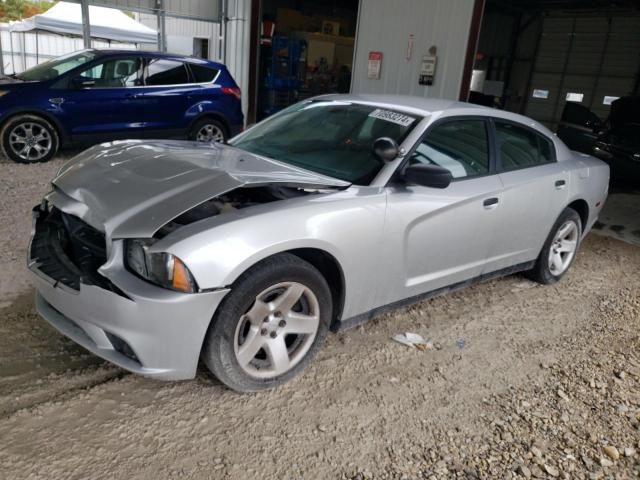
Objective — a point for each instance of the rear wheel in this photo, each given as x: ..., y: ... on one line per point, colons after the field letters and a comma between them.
x: 559, y: 251
x: 29, y: 139
x: 270, y: 325
x: 208, y: 130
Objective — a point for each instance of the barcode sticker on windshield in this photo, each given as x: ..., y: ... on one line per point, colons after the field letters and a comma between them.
x: 393, y: 117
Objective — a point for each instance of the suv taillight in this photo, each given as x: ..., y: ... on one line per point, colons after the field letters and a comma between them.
x: 235, y: 91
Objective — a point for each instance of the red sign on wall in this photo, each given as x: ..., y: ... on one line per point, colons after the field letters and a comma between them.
x: 375, y: 64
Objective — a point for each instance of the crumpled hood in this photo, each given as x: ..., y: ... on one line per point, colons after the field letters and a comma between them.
x: 130, y: 189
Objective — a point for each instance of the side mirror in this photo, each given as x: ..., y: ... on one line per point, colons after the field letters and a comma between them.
x: 81, y: 82
x: 427, y: 175
x: 386, y: 149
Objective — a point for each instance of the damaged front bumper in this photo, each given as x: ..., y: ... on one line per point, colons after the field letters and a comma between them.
x: 129, y: 322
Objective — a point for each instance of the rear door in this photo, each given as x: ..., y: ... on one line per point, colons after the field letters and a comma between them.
x: 439, y: 237
x: 167, y: 93
x: 535, y: 190
x: 104, y: 101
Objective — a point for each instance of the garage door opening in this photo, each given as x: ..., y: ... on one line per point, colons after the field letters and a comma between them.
x: 534, y: 57
x: 305, y: 49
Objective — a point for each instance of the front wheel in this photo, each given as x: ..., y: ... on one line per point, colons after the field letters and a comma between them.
x: 29, y: 139
x: 270, y: 325
x: 560, y: 249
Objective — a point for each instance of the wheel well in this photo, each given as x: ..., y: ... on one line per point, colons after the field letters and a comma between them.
x: 582, y: 208
x: 214, y: 115
x: 62, y: 138
x: 330, y: 270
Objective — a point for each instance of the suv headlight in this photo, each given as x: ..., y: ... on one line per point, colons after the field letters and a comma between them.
x: 163, y: 269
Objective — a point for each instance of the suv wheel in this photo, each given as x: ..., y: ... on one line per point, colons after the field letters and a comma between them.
x: 208, y: 130
x: 29, y: 139
x: 271, y: 324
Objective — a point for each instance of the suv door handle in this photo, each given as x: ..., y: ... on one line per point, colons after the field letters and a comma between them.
x: 490, y: 203
x: 560, y: 184
x: 131, y: 96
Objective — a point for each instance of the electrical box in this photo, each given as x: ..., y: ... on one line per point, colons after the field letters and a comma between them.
x: 428, y: 69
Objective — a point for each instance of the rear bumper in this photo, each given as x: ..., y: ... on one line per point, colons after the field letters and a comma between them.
x: 155, y: 333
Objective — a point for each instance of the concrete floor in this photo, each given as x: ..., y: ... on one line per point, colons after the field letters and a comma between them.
x: 620, y: 217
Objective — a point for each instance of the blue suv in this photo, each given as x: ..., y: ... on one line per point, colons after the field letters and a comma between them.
x: 93, y: 96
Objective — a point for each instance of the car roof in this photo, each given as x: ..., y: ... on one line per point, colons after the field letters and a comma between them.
x: 150, y: 53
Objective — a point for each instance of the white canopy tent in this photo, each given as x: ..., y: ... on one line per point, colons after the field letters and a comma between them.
x: 107, y: 23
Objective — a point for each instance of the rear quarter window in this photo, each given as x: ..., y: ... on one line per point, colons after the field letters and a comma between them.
x: 203, y: 74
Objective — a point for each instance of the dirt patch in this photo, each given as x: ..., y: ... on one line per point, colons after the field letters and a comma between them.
x: 524, y: 381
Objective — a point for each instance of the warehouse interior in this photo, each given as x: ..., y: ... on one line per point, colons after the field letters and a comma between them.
x: 535, y: 56
x: 306, y: 49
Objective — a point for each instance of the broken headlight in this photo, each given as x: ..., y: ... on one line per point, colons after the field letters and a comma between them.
x: 163, y: 269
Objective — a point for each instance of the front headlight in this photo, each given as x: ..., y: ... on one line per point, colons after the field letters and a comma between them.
x: 163, y: 269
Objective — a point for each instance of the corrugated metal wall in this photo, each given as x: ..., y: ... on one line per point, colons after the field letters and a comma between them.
x: 385, y: 26
x: 592, y: 56
x: 182, y: 31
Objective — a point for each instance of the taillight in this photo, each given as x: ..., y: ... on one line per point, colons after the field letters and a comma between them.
x: 235, y: 91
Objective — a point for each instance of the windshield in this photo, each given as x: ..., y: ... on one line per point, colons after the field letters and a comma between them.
x: 56, y: 67
x: 328, y: 137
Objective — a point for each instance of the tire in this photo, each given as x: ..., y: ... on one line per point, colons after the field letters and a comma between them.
x: 568, y: 228
x: 208, y: 130
x: 29, y: 139
x: 240, y: 321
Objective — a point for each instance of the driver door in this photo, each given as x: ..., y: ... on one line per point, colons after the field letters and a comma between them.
x: 441, y: 237
x: 104, y: 102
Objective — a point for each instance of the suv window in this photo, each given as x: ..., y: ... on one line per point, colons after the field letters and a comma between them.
x: 520, y: 147
x: 161, y: 71
x: 460, y: 146
x: 203, y: 74
x: 114, y: 73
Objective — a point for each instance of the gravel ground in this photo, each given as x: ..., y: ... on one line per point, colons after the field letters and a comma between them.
x: 21, y: 187
x: 523, y: 381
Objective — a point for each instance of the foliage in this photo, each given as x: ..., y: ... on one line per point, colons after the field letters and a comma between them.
x: 19, y: 9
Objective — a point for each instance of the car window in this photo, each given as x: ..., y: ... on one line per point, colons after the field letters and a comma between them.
x: 203, y: 74
x: 460, y: 146
x: 520, y: 147
x: 56, y: 67
x: 333, y: 138
x: 114, y: 73
x: 161, y: 71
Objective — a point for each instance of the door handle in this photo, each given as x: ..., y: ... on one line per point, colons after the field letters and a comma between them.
x: 560, y: 184
x: 490, y: 203
x: 132, y: 96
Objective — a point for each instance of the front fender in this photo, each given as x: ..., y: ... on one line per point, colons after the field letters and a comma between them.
x: 348, y: 225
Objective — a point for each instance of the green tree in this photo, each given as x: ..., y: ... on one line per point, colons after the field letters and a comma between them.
x: 19, y: 9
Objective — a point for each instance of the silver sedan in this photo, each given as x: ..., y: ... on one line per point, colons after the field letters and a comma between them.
x: 155, y: 254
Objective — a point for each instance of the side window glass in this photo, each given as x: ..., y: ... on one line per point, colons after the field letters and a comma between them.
x: 114, y: 73
x: 521, y: 148
x: 161, y: 71
x: 203, y: 74
x: 460, y: 146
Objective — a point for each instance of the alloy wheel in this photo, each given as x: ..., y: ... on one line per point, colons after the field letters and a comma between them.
x: 30, y: 141
x: 275, y: 334
x: 563, y: 247
x: 210, y: 133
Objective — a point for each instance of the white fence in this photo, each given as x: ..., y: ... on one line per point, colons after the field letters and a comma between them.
x: 23, y: 50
